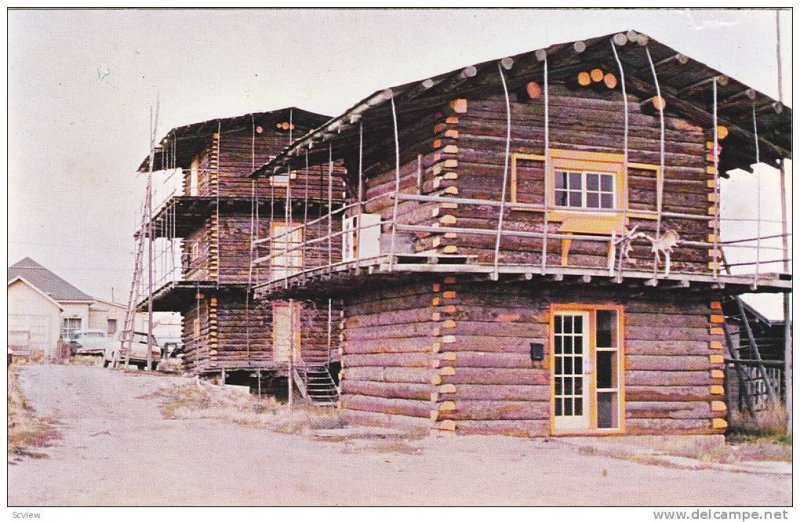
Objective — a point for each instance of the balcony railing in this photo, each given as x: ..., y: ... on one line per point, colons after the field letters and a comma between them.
x: 625, y: 253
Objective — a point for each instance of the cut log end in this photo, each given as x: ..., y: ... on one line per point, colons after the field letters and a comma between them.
x: 596, y: 75
x: 459, y: 106
x: 584, y: 78
x: 533, y: 90
x: 610, y: 81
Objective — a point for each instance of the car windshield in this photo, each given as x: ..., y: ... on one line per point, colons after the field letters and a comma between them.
x: 91, y: 335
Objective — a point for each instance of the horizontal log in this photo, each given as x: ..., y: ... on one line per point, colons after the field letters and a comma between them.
x: 411, y: 408
x: 369, y: 418
x: 534, y: 377
x: 501, y: 392
x: 420, y: 392
x: 517, y: 428
x: 688, y: 378
x: 661, y: 393
x: 396, y: 375
x: 404, y: 360
x: 497, y: 410
x: 667, y: 362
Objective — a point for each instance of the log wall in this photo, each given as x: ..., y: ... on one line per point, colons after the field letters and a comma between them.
x: 227, y: 323
x: 387, y: 340
x: 471, y: 342
x: 474, y: 142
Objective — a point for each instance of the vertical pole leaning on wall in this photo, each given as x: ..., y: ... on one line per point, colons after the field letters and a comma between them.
x: 546, y: 161
x: 149, y: 213
x: 396, y: 183
x: 499, y: 234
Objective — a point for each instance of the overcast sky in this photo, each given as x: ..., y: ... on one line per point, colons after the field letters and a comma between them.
x: 81, y: 84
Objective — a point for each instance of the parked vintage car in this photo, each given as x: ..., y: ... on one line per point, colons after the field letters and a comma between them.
x: 88, y: 342
x: 138, y: 355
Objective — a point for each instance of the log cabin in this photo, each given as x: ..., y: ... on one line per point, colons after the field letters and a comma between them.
x: 530, y: 245
x: 211, y: 218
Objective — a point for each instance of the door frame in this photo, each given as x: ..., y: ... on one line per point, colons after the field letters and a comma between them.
x: 592, y: 309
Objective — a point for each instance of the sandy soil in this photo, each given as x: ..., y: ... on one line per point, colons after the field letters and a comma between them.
x: 118, y: 450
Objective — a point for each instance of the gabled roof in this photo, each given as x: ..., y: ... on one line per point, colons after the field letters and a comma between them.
x: 685, y: 84
x: 181, y: 144
x: 24, y: 281
x: 46, y: 281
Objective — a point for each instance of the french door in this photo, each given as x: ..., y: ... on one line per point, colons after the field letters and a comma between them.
x: 587, y: 371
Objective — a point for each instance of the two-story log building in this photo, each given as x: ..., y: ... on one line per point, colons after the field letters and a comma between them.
x: 216, y: 216
x: 531, y: 244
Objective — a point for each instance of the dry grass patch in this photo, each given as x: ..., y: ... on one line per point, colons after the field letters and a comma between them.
x: 25, y: 430
x: 206, y: 401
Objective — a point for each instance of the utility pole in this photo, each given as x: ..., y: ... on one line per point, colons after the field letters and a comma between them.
x: 787, y: 296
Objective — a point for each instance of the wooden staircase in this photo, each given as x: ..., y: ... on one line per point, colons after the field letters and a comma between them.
x: 316, y: 384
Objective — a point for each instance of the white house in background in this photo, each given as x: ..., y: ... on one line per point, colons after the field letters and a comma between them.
x: 34, y: 318
x: 43, y: 307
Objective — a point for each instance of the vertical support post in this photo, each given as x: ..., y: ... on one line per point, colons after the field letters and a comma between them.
x: 360, y: 168
x: 787, y: 296
x: 258, y: 377
x: 757, y: 171
x: 717, y: 257
x: 330, y: 205
x: 626, y: 132
x: 498, y: 237
x: 396, y: 184
x: 546, y: 164
x: 291, y: 354
x: 660, y: 180
x: 330, y: 329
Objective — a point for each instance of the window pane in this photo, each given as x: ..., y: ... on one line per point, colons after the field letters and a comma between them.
x: 561, y: 198
x: 578, y: 321
x: 607, y: 182
x: 559, y: 365
x: 567, y: 324
x: 559, y: 408
x: 575, y: 199
x: 575, y: 181
x: 606, y: 369
x: 579, y: 386
x: 568, y: 407
x: 567, y: 344
x: 559, y: 322
x: 607, y: 410
x: 559, y: 386
x: 607, y: 328
x: 561, y: 180
x: 592, y: 200
x: 578, y: 407
x: 578, y: 366
x: 607, y: 201
x: 567, y: 365
x: 592, y: 181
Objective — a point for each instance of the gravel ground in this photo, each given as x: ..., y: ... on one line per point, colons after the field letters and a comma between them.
x: 117, y: 449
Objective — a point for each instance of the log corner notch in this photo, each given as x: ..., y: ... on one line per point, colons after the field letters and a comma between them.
x: 442, y: 357
x: 719, y: 409
x: 441, y: 179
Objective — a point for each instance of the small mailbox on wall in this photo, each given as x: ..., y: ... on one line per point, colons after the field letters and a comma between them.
x: 537, y: 352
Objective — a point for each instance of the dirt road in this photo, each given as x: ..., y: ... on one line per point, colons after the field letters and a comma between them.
x: 118, y: 450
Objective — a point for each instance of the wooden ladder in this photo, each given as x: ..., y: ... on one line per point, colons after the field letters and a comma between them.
x: 126, y: 338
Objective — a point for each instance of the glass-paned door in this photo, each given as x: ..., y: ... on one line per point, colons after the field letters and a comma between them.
x: 571, y: 371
